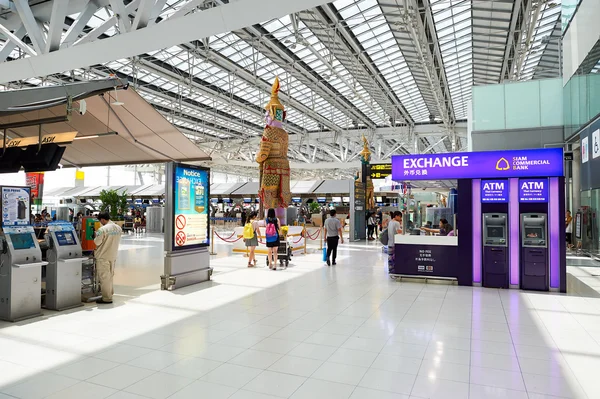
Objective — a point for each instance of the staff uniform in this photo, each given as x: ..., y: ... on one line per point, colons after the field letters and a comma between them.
x: 332, y: 227
x: 107, y: 240
x: 392, y: 228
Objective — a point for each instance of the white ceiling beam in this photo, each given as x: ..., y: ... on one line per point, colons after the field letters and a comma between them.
x: 33, y: 30
x: 57, y: 23
x: 233, y: 16
x: 293, y: 165
x: 142, y: 16
x: 158, y: 7
x: 106, y: 25
x: 14, y: 40
x: 77, y: 27
x: 187, y: 8
x: 122, y: 14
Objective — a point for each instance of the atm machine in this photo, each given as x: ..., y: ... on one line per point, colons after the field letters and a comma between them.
x: 495, y: 250
x: 20, y: 274
x: 534, y: 252
x: 63, y: 273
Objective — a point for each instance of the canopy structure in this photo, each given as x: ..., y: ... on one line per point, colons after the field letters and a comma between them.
x: 118, y: 128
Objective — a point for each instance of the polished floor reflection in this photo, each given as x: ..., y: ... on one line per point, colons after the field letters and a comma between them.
x: 308, y: 332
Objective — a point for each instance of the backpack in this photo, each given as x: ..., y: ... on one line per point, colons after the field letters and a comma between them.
x: 248, y: 231
x: 383, y: 237
x: 271, y: 232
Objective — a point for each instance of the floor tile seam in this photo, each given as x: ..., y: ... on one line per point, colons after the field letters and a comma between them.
x: 117, y: 364
x: 426, y: 349
x: 515, y: 349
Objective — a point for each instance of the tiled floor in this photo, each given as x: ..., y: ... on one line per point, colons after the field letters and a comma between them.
x: 308, y: 332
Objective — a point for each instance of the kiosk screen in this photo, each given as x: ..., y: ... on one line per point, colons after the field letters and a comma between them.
x: 65, y: 238
x: 495, y: 232
x: 22, y: 241
x: 534, y: 232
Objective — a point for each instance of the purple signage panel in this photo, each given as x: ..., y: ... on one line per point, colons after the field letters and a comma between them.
x: 494, y: 191
x: 533, y: 190
x: 541, y: 162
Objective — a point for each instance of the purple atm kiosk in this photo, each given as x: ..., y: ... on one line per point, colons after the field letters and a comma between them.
x: 495, y: 250
x: 510, y: 230
x: 534, y: 252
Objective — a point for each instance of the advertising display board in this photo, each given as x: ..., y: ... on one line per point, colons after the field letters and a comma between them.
x: 543, y: 162
x: 16, y: 207
x: 191, y: 225
x: 494, y: 191
x: 35, y: 181
x: 533, y: 190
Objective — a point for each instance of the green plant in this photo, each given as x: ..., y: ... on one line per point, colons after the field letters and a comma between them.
x: 314, y: 207
x: 114, y: 203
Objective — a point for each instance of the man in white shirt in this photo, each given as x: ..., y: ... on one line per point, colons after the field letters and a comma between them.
x: 333, y: 232
x: 394, y: 227
x: 107, y: 240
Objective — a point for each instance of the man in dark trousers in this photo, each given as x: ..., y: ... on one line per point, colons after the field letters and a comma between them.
x: 333, y: 232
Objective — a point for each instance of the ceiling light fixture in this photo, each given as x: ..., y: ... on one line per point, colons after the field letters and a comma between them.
x: 95, y: 136
x: 117, y: 102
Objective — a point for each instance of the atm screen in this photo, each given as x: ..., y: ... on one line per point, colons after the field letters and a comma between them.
x: 65, y: 238
x: 22, y: 241
x: 534, y: 232
x: 495, y: 232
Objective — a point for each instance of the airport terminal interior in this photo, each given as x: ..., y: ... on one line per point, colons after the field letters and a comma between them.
x: 309, y: 199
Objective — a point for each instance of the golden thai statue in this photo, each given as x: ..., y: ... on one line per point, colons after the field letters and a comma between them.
x: 365, y: 158
x: 274, y: 191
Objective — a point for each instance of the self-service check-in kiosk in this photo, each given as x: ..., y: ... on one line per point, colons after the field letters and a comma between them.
x: 20, y: 274
x: 63, y: 273
x: 534, y: 251
x: 495, y: 250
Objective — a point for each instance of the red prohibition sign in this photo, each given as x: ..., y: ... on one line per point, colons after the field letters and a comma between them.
x: 180, y: 222
x: 180, y: 238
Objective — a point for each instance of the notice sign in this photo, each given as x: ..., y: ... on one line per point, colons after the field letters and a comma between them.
x: 533, y: 190
x: 191, y: 209
x: 494, y: 191
x: 15, y: 206
x: 543, y: 162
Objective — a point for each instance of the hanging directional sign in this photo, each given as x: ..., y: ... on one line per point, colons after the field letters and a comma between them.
x: 381, y: 170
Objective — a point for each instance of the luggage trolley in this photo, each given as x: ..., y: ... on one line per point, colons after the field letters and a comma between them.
x: 284, y: 252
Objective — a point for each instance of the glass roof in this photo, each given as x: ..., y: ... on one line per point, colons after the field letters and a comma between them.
x: 219, y: 87
x: 542, y: 38
x: 366, y: 20
x: 454, y: 26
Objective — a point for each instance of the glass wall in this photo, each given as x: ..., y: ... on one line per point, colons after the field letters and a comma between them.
x: 568, y: 10
x: 581, y: 101
x: 518, y: 105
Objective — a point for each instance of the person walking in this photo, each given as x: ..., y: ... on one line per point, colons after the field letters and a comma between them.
x: 272, y: 237
x: 371, y: 226
x: 394, y: 227
x: 569, y: 230
x: 107, y: 240
x: 333, y: 232
x: 252, y: 243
